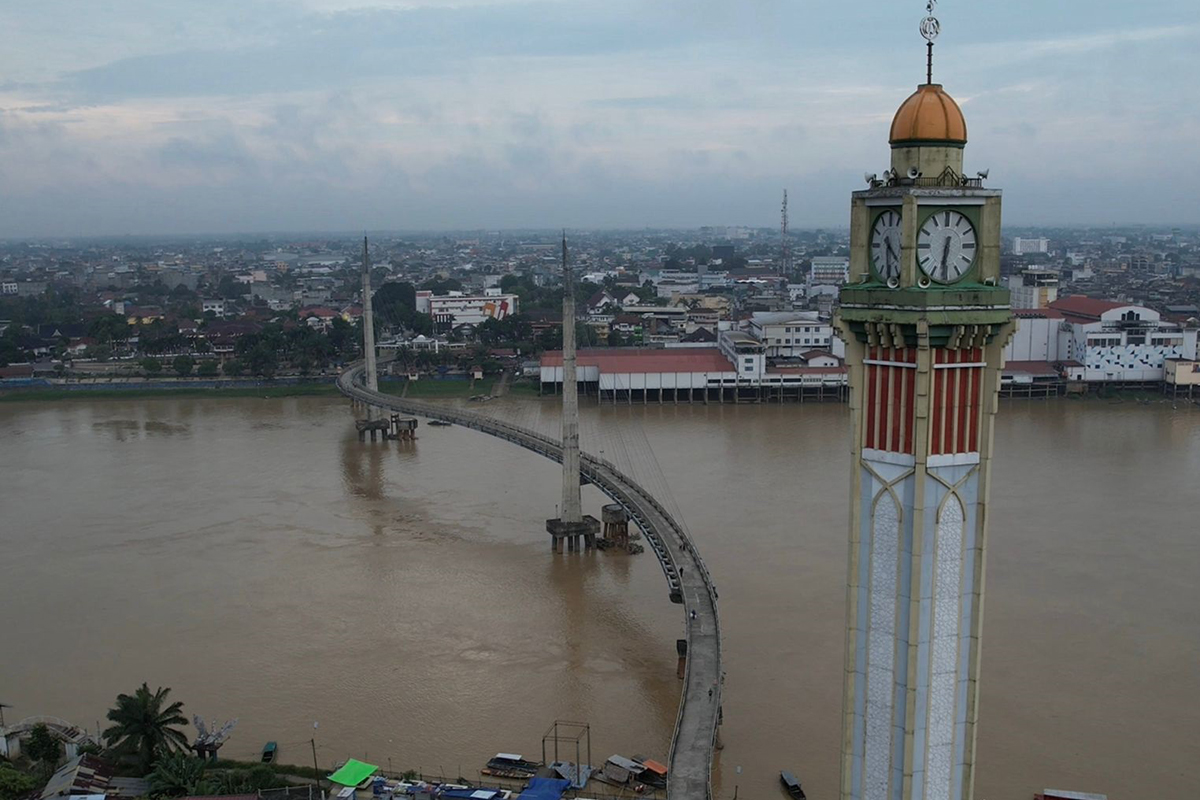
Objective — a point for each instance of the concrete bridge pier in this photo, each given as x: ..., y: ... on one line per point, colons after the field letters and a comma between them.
x: 616, y: 524
x: 578, y: 536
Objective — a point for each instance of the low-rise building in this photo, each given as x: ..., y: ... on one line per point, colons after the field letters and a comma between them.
x: 1182, y: 376
x: 829, y: 271
x: 450, y: 311
x: 1034, y: 288
x: 787, y: 334
x: 1113, y: 342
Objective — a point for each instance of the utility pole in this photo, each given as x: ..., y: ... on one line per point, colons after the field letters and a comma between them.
x: 785, y: 245
x: 316, y: 769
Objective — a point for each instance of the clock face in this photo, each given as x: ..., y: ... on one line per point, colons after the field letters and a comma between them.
x: 946, y: 246
x: 885, y: 245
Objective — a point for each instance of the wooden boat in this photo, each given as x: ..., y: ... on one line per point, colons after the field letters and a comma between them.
x: 268, y: 753
x: 791, y: 785
x: 510, y: 765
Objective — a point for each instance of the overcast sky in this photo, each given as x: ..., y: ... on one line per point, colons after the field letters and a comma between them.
x: 166, y: 116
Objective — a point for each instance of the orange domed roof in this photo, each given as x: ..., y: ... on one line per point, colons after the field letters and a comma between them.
x: 929, y: 116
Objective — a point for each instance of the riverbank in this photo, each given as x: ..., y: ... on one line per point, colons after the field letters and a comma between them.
x: 282, y: 387
x: 427, y: 388
x: 129, y: 391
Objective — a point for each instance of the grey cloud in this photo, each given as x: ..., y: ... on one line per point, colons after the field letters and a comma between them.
x: 210, y: 151
x: 673, y: 102
x: 321, y: 51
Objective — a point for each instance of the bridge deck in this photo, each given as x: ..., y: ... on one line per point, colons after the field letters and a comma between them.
x: 690, y: 762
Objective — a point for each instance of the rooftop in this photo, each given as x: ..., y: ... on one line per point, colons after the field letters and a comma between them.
x: 1078, y: 305
x: 629, y: 360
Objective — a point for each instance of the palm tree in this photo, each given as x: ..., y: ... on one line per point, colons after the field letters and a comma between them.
x: 178, y: 774
x: 143, y: 725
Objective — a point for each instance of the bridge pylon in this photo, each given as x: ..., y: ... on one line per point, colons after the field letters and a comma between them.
x: 574, y: 527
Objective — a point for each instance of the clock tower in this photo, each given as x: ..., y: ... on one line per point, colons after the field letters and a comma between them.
x: 925, y: 323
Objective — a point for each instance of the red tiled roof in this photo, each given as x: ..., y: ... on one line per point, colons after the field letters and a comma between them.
x: 682, y: 359
x: 1031, y: 368
x: 1080, y: 306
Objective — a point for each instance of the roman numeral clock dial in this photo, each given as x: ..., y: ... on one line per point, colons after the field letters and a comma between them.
x: 946, y: 246
x: 885, y: 245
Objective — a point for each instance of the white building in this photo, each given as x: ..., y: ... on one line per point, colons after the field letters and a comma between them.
x: 1034, y: 288
x: 1025, y: 246
x: 457, y: 308
x: 215, y: 306
x: 829, y: 271
x: 788, y: 334
x: 748, y: 355
x: 1110, y: 342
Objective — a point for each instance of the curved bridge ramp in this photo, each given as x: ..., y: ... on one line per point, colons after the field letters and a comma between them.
x: 692, y: 744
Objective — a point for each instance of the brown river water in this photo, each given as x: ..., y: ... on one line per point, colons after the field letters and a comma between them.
x: 255, y: 557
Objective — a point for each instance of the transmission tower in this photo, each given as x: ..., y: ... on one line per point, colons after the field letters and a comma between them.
x: 785, y: 245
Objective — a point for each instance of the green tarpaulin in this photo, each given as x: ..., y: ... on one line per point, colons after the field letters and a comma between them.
x: 353, y: 772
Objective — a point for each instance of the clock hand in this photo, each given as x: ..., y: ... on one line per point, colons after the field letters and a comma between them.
x: 891, y: 254
x: 945, y: 258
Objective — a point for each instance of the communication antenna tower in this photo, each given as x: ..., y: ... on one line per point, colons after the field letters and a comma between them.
x: 785, y: 245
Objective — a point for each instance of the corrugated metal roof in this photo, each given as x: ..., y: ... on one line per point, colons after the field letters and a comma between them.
x: 619, y: 360
x: 1081, y: 306
x: 625, y: 763
x: 805, y: 370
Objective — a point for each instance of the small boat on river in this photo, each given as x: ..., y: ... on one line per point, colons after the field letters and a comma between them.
x: 437, y: 423
x: 510, y: 765
x: 791, y: 785
x: 268, y: 752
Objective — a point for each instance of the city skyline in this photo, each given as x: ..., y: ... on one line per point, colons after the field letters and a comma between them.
x: 344, y: 115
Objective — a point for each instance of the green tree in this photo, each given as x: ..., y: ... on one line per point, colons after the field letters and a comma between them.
x: 109, y: 328
x: 439, y: 286
x: 183, y: 365
x: 15, y: 784
x: 89, y: 749
x: 207, y: 369
x: 550, y: 338
x: 143, y: 726
x: 585, y: 335
x: 233, y: 367
x: 43, y: 745
x: 10, y: 346
x: 98, y: 352
x: 262, y: 360
x: 395, y: 302
x: 178, y: 774
x: 151, y: 366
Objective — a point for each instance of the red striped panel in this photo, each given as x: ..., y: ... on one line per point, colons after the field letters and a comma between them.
x: 889, y: 400
x: 910, y: 402
x: 964, y: 402
x: 869, y: 408
x: 976, y: 411
x: 936, y: 421
x: 897, y: 407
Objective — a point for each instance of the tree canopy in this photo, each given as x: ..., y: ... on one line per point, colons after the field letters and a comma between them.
x: 144, y: 725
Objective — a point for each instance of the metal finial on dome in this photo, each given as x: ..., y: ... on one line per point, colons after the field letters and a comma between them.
x: 930, y: 28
